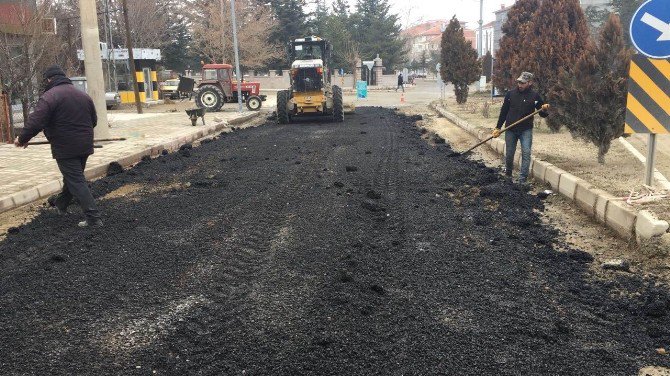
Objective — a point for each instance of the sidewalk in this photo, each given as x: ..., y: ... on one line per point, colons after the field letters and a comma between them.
x: 29, y: 174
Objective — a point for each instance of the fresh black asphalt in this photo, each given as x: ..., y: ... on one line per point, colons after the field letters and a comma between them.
x: 318, y: 248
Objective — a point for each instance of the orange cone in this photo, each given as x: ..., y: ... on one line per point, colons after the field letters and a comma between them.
x: 402, y: 98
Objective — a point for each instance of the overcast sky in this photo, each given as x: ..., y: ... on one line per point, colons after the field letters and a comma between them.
x: 414, y: 11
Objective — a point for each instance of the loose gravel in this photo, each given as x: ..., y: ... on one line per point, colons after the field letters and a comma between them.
x: 376, y: 254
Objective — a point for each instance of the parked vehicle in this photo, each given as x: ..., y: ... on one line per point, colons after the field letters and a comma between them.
x: 217, y: 87
x: 112, y: 98
x: 169, y: 89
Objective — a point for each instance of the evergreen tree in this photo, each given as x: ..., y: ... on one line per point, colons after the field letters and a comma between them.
x: 626, y: 9
x: 292, y: 23
x: 337, y: 32
x: 460, y: 64
x: 377, y: 31
x: 591, y: 97
x: 321, y: 16
x: 177, y: 55
x: 341, y: 8
x: 513, y: 43
x: 487, y: 62
x: 555, y: 40
x: 423, y: 61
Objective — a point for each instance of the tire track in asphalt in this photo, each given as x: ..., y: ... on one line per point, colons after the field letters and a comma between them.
x: 300, y: 278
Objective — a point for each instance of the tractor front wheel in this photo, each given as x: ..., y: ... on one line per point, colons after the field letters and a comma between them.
x: 210, y: 97
x: 254, y: 103
x: 338, y: 105
x: 282, y: 107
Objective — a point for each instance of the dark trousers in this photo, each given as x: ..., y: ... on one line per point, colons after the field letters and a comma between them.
x: 75, y: 185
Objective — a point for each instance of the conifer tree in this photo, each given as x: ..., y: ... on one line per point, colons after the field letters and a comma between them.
x: 626, y: 9
x: 292, y: 22
x: 512, y: 43
x: 460, y: 64
x: 337, y: 32
x: 487, y: 60
x: 377, y: 31
x: 591, y: 97
x: 557, y: 37
x: 320, y: 20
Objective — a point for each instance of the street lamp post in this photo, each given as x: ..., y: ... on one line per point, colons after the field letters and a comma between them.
x: 481, y: 27
x: 237, y: 57
x: 223, y: 35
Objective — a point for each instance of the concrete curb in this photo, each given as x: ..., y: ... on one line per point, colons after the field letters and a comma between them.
x: 607, y: 209
x: 92, y: 172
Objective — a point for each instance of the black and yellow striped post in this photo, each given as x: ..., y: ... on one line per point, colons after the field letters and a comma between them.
x: 648, y: 104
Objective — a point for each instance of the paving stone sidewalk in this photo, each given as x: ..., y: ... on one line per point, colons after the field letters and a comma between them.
x: 29, y: 174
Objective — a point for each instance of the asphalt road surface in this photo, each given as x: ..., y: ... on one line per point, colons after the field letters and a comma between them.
x: 317, y: 249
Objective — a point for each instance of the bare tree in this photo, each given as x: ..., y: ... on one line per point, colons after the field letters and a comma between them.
x: 254, y: 19
x: 352, y: 55
x: 27, y: 47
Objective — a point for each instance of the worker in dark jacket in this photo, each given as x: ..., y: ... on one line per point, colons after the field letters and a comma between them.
x: 67, y: 116
x: 519, y: 103
x: 401, y: 83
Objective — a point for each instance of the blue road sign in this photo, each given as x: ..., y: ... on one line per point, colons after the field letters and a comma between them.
x: 650, y: 29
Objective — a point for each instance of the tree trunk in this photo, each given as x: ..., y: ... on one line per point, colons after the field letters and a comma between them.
x: 553, y: 124
x: 601, y: 155
x: 25, y: 107
x: 461, y: 92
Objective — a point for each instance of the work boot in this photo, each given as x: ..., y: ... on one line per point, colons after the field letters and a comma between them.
x: 91, y: 223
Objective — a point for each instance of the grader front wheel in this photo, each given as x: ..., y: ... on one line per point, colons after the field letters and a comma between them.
x: 338, y: 105
x: 283, y: 116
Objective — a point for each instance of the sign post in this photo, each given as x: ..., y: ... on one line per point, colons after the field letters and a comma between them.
x: 648, y: 105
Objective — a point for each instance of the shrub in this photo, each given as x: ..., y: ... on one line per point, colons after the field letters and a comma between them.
x: 590, y: 98
x: 460, y: 64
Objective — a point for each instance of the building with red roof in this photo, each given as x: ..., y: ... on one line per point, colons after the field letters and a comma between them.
x: 428, y: 35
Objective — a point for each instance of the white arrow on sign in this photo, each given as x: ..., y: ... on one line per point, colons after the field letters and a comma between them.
x: 659, y: 25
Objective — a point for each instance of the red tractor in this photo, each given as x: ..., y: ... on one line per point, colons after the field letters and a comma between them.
x: 217, y: 87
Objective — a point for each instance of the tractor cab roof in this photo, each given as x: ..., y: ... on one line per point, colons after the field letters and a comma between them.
x: 217, y: 66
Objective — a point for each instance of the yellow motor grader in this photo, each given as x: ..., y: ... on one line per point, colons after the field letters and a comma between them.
x: 312, y: 92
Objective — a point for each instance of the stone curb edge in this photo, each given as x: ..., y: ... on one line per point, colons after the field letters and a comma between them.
x: 49, y: 188
x: 604, y: 207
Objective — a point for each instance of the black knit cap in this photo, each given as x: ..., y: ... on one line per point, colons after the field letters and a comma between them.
x: 53, y: 70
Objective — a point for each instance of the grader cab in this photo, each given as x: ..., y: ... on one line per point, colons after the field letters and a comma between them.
x: 312, y: 92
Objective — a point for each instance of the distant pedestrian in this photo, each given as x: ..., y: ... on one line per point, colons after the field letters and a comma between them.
x: 519, y: 103
x: 401, y: 83
x: 67, y: 116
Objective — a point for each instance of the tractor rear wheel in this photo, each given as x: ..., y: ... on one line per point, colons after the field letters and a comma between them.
x: 282, y: 107
x: 210, y: 97
x: 254, y: 103
x: 338, y: 105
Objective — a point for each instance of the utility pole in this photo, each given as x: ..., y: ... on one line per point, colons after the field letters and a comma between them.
x: 110, y: 48
x: 90, y: 40
x: 481, y: 27
x: 106, y: 32
x: 131, y: 58
x: 237, y: 58
x: 223, y: 34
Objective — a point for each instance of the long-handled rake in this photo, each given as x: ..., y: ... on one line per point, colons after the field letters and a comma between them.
x: 456, y: 154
